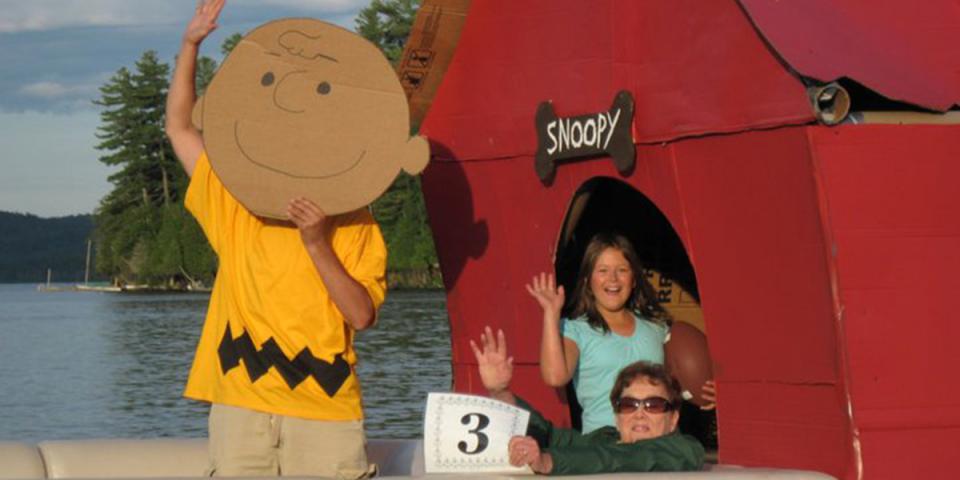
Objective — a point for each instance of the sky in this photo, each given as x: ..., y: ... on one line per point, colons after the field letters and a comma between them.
x: 55, y: 54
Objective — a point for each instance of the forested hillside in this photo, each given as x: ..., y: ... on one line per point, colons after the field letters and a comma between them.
x: 29, y: 245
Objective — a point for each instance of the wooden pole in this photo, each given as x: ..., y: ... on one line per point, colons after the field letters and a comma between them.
x: 86, y: 272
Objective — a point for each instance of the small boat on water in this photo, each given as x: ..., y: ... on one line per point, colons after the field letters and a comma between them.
x: 98, y: 288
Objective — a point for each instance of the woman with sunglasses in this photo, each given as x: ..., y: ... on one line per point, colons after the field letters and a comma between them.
x: 645, y: 399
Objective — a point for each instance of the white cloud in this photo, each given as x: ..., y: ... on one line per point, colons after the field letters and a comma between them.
x: 53, y: 90
x: 20, y: 15
x: 56, y: 96
x: 317, y: 5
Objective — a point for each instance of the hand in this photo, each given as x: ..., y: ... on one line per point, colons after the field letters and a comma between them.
x: 526, y: 451
x: 203, y: 22
x: 496, y: 368
x: 309, y: 218
x: 548, y: 295
x: 709, y: 393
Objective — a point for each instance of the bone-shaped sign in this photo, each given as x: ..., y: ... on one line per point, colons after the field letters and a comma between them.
x: 595, y: 134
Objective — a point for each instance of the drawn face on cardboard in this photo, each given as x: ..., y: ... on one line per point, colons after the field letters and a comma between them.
x: 305, y: 108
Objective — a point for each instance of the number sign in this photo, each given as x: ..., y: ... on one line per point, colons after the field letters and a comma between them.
x: 467, y: 433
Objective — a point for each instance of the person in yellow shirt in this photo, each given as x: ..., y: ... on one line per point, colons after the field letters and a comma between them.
x: 276, y: 357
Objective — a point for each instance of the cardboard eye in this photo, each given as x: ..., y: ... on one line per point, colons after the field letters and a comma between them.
x: 267, y: 79
x: 323, y: 88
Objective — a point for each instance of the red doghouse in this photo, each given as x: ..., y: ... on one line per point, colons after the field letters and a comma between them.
x: 788, y: 172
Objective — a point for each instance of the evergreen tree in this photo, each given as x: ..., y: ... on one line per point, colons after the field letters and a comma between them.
x: 142, y: 229
x: 119, y: 117
x: 206, y: 67
x: 230, y: 43
x: 157, y: 161
x: 400, y: 211
x: 387, y: 24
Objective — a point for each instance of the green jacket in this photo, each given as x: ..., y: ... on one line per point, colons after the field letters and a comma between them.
x: 600, y: 451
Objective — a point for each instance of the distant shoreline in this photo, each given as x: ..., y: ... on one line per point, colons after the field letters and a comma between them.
x: 407, y: 279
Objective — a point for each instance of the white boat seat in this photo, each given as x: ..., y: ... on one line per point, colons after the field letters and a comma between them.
x: 20, y: 460
x: 187, y: 458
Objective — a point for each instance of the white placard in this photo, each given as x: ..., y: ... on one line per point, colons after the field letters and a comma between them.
x: 467, y: 433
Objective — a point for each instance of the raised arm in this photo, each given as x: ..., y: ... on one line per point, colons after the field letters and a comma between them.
x: 185, y: 138
x: 496, y: 371
x: 558, y: 355
x: 495, y: 367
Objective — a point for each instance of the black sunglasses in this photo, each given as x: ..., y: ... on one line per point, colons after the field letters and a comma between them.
x: 649, y: 404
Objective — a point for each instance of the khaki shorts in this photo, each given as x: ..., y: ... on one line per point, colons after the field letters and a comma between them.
x: 249, y: 443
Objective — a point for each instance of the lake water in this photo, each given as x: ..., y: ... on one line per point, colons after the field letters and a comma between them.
x: 101, y: 365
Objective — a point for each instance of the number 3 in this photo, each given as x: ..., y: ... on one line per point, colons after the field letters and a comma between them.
x: 482, y: 440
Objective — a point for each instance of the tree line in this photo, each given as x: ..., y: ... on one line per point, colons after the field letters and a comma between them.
x: 144, y: 235
x: 31, y: 245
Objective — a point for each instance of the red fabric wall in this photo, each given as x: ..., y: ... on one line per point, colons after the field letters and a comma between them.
x: 760, y: 254
x: 892, y: 199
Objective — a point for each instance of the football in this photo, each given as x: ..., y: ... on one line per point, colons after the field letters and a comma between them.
x: 688, y: 358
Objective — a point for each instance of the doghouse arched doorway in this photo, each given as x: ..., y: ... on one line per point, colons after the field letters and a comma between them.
x: 604, y: 204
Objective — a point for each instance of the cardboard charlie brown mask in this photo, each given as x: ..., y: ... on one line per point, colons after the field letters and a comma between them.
x: 303, y: 108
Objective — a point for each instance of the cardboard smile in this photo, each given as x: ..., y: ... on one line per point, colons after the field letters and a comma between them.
x: 236, y: 137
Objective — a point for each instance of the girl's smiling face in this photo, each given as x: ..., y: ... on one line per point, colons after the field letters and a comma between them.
x: 611, y: 281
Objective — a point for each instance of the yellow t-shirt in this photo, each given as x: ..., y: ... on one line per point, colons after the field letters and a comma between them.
x: 273, y: 340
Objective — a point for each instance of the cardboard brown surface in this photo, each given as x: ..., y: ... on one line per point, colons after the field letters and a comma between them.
x: 904, y: 118
x: 305, y: 108
x: 429, y: 50
x: 678, y: 302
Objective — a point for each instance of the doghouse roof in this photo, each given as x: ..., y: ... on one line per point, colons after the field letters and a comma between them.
x: 694, y: 67
x: 905, y: 52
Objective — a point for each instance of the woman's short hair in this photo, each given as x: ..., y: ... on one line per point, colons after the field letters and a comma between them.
x: 654, y: 373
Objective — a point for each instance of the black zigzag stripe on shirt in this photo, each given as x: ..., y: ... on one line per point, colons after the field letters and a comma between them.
x: 330, y: 376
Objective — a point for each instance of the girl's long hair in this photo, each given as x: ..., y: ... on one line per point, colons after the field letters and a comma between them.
x: 642, y: 299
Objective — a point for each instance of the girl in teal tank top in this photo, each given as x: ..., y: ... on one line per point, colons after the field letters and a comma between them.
x: 615, y: 321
